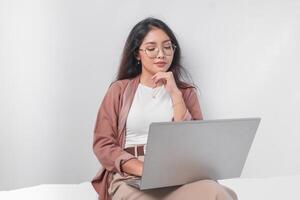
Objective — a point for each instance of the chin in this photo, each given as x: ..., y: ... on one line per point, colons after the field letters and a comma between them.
x: 156, y: 69
x: 163, y: 69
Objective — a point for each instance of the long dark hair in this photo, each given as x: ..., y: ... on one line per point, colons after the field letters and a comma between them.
x: 129, y: 66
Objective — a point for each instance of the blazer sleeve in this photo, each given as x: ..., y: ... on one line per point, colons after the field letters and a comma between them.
x: 105, y: 142
x: 192, y: 104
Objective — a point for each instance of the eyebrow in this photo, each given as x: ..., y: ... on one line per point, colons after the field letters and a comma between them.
x: 155, y: 42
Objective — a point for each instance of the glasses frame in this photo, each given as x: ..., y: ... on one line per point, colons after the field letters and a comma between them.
x: 173, y: 46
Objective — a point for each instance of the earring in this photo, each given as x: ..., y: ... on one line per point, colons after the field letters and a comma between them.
x: 138, y: 62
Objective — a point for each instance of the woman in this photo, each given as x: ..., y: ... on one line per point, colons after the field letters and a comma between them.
x: 149, y: 87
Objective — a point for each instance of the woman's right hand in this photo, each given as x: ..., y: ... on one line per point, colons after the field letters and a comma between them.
x: 133, y: 166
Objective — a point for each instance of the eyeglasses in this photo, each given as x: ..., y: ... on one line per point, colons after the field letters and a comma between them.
x: 152, y: 52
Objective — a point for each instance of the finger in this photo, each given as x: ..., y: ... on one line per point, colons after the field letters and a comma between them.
x: 158, y: 74
x: 155, y: 78
x: 158, y: 79
x: 162, y: 80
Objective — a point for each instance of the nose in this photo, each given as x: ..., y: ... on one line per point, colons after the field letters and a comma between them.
x: 160, y: 54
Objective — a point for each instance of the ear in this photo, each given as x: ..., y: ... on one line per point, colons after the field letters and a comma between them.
x: 137, y: 56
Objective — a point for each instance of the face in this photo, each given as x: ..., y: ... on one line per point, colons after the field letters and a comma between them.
x: 156, y: 39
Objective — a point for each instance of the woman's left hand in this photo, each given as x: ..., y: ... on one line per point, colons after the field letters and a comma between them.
x: 168, y: 80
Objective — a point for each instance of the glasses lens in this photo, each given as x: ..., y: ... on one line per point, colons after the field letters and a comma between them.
x: 152, y: 52
x: 168, y: 50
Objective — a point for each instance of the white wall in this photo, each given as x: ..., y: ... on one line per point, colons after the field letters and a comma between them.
x: 57, y: 59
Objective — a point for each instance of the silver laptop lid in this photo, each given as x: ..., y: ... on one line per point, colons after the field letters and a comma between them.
x: 181, y: 152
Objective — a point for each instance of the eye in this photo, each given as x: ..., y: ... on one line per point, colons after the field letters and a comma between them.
x: 150, y: 48
x: 168, y: 47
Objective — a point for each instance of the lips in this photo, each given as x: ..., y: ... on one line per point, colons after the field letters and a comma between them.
x: 160, y: 64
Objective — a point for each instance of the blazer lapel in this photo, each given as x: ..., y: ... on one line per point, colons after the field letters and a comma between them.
x: 128, y: 96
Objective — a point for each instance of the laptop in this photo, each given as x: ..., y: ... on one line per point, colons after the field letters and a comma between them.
x: 183, y: 152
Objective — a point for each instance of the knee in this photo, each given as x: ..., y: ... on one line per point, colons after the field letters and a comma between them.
x: 225, y: 193
x: 230, y: 192
x: 210, y: 184
x: 207, y: 185
x: 219, y: 191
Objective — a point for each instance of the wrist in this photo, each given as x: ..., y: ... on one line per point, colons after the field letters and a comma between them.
x: 140, y: 169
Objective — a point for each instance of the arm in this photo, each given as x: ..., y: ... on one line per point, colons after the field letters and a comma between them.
x: 133, y: 166
x: 185, y: 103
x: 105, y: 143
x: 179, y: 108
x: 186, y: 106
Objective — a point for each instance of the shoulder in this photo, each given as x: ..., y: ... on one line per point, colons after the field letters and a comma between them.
x: 190, y: 93
x: 118, y: 85
x: 188, y: 89
x: 114, y: 93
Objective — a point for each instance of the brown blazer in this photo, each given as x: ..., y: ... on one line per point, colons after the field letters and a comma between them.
x: 109, y: 131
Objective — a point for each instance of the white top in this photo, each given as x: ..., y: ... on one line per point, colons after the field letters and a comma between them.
x: 144, y: 110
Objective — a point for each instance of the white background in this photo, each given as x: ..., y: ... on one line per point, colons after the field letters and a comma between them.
x: 57, y: 59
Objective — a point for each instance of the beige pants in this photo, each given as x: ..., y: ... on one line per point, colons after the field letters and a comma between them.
x: 199, y: 190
